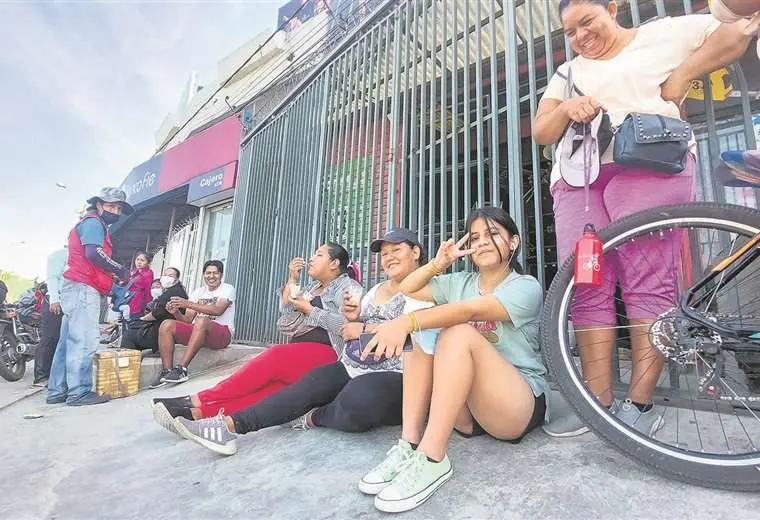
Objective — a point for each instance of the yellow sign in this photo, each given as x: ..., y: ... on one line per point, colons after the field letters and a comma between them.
x: 718, y: 85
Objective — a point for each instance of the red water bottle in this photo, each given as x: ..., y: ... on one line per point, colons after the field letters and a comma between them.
x: 588, y: 259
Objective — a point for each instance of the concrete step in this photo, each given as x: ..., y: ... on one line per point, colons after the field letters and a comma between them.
x: 205, y: 359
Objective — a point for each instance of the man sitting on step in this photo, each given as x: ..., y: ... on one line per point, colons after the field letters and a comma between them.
x: 208, y: 322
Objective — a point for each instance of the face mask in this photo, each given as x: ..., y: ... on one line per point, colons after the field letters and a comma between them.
x: 109, y: 218
x: 168, y: 281
x: 155, y: 293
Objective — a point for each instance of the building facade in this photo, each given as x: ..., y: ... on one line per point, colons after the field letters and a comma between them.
x: 421, y: 114
x: 184, y: 194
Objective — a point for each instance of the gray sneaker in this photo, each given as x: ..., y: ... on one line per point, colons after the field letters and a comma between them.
x: 646, y: 423
x: 568, y: 425
x: 211, y: 433
x: 299, y: 423
x: 90, y: 398
x: 162, y: 416
x: 158, y: 382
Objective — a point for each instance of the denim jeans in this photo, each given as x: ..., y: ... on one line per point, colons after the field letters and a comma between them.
x: 71, y: 373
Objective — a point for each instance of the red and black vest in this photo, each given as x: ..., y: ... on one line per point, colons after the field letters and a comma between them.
x: 79, y: 269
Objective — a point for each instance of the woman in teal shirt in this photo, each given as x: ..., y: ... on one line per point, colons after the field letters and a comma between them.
x: 482, y: 374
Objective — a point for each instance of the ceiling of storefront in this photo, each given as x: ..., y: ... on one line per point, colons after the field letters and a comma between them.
x: 150, y: 219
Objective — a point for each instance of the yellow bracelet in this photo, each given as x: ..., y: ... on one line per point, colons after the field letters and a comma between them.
x: 434, y: 268
x: 413, y: 319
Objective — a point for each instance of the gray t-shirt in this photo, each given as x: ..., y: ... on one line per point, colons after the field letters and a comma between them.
x: 517, y: 339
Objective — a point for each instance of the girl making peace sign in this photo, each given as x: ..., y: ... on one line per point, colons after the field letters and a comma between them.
x: 483, y: 374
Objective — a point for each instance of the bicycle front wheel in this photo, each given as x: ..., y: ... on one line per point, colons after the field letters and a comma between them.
x: 705, y: 385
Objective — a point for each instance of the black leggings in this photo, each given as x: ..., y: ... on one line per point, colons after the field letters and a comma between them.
x: 342, y: 403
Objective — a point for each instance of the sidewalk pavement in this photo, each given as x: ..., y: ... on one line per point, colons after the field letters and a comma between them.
x: 113, y: 462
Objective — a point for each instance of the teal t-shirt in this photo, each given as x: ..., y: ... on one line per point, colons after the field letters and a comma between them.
x: 517, y: 340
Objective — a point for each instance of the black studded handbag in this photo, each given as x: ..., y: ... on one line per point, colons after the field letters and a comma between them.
x: 653, y: 142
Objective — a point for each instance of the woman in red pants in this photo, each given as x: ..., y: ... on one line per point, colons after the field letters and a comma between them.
x: 316, y: 342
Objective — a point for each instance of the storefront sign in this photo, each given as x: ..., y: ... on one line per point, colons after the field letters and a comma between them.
x: 142, y: 182
x: 719, y: 86
x: 210, y: 183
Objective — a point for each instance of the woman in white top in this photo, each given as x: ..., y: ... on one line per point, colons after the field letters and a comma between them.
x: 621, y: 71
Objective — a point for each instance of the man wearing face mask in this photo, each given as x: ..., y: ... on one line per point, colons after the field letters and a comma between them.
x: 142, y: 333
x: 89, y: 274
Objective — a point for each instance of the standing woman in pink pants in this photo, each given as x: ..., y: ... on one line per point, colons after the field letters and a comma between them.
x: 619, y: 70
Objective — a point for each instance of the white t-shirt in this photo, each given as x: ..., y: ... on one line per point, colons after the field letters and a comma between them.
x: 205, y: 297
x: 630, y: 82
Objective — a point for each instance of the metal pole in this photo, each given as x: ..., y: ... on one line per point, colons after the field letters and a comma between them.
x: 357, y: 240
x: 431, y: 165
x: 406, y: 119
x: 495, y: 180
x: 376, y: 198
x: 549, y: 53
x: 514, y: 137
x: 422, y: 170
x: 711, y: 191
x: 352, y: 155
x: 635, y: 18
x: 749, y: 128
x: 276, y: 229
x: 443, y: 179
x: 383, y: 151
x: 455, y: 123
x: 395, y: 122
x: 341, y: 213
x: 368, y: 177
x: 321, y: 166
x: 478, y: 105
x: 660, y: 8
x: 414, y: 170
x: 538, y: 218
x: 466, y: 174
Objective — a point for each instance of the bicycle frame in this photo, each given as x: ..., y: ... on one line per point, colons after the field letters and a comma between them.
x: 727, y: 269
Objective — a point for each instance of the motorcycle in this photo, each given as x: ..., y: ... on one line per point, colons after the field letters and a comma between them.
x: 19, y: 334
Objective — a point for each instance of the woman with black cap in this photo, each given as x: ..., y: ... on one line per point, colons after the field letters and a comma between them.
x: 351, y: 395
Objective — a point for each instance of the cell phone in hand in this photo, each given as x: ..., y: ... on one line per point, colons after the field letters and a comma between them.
x: 365, y: 338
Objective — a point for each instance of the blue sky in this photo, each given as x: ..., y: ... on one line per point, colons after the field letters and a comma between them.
x: 85, y: 86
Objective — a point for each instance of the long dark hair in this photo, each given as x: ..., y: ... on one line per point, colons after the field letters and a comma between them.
x: 339, y: 253
x: 564, y: 4
x: 492, y: 216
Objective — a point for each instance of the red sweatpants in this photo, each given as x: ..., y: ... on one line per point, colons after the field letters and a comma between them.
x: 277, y: 367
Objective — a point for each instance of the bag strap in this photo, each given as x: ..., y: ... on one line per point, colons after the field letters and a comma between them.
x: 570, y: 86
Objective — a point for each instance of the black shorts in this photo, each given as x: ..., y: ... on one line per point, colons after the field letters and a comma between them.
x: 536, y: 420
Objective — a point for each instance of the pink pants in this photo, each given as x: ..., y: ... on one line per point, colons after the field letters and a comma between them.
x: 647, y: 275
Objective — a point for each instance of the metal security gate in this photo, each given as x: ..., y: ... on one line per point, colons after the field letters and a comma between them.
x: 423, y: 113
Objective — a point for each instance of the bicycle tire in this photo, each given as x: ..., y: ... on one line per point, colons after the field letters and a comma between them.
x: 741, y: 474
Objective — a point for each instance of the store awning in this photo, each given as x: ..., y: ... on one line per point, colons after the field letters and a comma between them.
x: 148, y: 227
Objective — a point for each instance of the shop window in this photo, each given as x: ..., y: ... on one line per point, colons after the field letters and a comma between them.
x: 218, y: 228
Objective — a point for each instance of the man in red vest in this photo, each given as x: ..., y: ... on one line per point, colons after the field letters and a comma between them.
x: 89, y: 274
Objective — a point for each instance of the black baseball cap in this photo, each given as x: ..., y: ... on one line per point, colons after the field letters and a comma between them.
x: 396, y: 236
